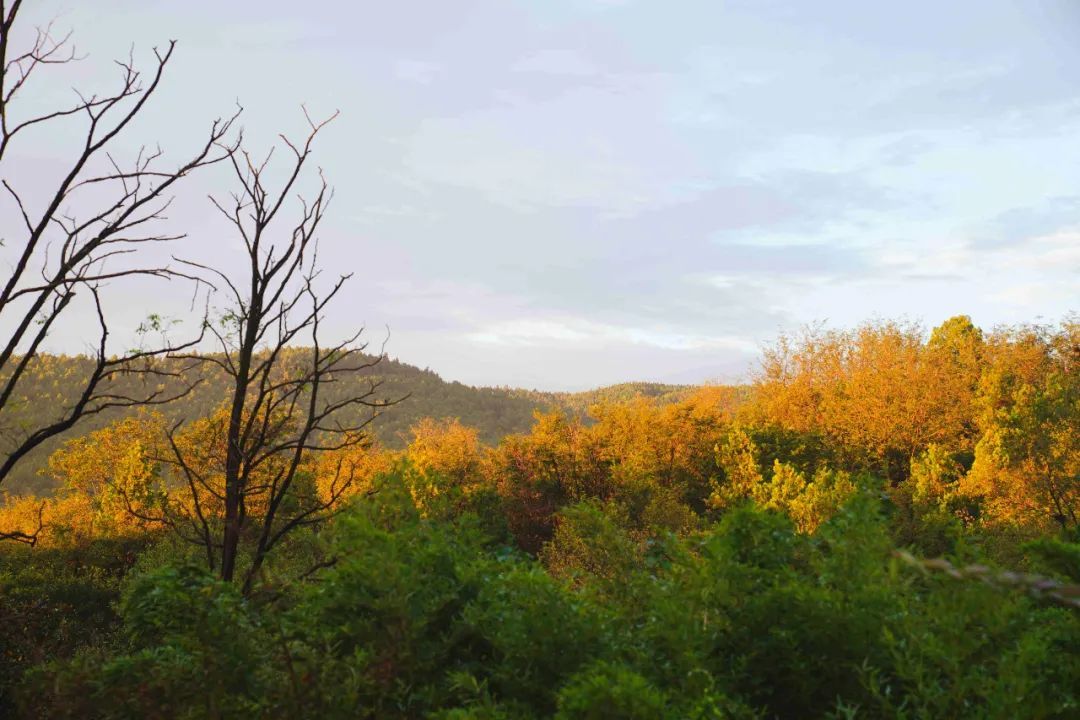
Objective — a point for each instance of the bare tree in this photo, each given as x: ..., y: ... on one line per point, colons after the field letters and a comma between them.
x: 87, y: 230
x: 281, y: 412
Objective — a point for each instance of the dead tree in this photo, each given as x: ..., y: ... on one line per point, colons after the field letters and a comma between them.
x: 281, y: 413
x: 85, y: 233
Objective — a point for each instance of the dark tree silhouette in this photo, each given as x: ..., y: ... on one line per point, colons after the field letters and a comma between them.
x: 279, y: 411
x: 85, y: 232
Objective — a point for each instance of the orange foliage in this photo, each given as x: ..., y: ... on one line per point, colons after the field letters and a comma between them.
x: 447, y: 449
x: 1027, y: 464
x: 877, y: 392
x: 104, y: 476
x: 538, y: 472
x: 340, y: 474
x: 980, y: 428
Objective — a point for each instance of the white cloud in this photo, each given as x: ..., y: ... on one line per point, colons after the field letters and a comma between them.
x: 586, y: 333
x: 1056, y: 252
x: 484, y: 156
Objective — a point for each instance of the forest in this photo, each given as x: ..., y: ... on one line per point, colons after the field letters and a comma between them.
x: 54, y: 381
x: 884, y: 524
x: 241, y: 513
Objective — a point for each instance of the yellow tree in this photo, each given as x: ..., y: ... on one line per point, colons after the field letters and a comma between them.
x: 659, y: 457
x: 955, y: 358
x: 807, y: 502
x: 1027, y: 463
x: 878, y: 393
x: 446, y: 449
x: 538, y: 472
x: 737, y: 455
x: 349, y: 470
x: 111, y: 479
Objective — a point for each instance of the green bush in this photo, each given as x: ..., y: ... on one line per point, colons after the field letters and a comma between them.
x: 380, y: 630
x: 190, y: 648
x: 430, y: 614
x: 55, y: 602
x: 611, y: 692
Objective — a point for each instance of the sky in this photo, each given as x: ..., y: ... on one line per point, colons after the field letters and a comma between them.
x: 562, y: 194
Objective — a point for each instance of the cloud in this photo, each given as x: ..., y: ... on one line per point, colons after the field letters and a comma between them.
x: 512, y: 172
x: 1057, y: 252
x: 557, y: 194
x: 533, y: 332
x: 1016, y: 226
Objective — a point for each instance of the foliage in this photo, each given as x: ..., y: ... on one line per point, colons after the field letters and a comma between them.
x: 191, y: 649
x: 492, y: 412
x: 673, y: 557
x: 56, y: 601
x: 434, y: 617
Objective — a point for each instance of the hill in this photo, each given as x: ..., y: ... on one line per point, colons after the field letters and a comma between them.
x: 494, y: 411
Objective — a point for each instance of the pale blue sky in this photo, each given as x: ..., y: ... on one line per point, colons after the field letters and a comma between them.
x: 562, y: 194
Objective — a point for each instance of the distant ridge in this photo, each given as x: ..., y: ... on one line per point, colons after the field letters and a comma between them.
x: 494, y: 411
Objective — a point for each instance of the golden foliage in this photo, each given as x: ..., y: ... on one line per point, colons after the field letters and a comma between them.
x: 1027, y: 463
x: 107, y: 480
x: 964, y: 428
x: 874, y: 390
x: 447, y: 449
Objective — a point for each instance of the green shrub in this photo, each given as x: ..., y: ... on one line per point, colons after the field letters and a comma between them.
x: 611, y: 692
x: 589, y: 544
x: 533, y: 633
x: 190, y: 649
x: 55, y: 602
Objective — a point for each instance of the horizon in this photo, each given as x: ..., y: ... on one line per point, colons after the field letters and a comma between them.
x: 558, y: 198
x: 744, y: 380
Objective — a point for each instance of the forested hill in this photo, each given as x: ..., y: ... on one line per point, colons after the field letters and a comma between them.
x: 578, y: 403
x: 493, y: 411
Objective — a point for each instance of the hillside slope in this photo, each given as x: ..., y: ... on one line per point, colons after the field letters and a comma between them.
x: 494, y: 412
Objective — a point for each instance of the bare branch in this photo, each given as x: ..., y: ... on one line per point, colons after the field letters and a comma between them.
x: 77, y: 254
x: 280, y: 415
